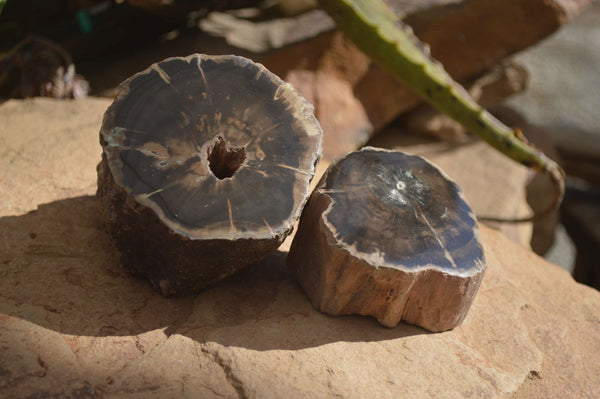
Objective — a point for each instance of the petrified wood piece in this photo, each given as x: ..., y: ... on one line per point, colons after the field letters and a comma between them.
x: 389, y: 235
x: 206, y: 167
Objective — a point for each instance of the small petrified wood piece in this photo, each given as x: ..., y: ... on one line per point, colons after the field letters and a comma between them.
x: 389, y: 235
x: 206, y: 167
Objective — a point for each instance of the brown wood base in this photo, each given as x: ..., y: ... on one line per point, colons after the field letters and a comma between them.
x: 353, y: 255
x: 174, y: 264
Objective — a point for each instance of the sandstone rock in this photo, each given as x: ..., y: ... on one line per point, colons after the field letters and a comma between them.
x: 566, y: 63
x: 45, y: 145
x: 74, y: 324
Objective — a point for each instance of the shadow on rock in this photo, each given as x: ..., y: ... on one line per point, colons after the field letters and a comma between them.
x: 61, y: 271
x: 263, y: 308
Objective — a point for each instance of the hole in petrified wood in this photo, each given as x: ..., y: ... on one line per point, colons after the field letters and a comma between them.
x: 223, y: 161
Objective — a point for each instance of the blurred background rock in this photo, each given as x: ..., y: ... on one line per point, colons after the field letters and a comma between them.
x: 563, y: 99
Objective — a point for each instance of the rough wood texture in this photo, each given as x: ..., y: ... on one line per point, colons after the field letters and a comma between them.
x: 388, y: 235
x: 193, y: 182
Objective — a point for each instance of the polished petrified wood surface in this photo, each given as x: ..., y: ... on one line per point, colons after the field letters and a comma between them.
x: 197, y: 138
x: 388, y: 234
x: 207, y: 162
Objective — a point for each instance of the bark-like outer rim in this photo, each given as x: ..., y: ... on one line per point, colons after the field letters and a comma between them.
x: 376, y: 259
x: 303, y: 111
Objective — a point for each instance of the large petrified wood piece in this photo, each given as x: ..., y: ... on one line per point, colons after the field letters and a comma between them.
x: 389, y: 235
x: 206, y: 167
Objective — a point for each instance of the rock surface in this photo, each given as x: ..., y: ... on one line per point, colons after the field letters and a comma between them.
x: 568, y: 64
x: 46, y: 151
x: 73, y: 323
